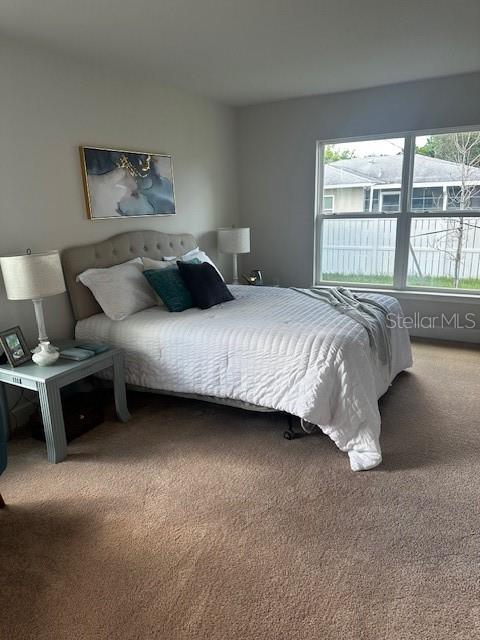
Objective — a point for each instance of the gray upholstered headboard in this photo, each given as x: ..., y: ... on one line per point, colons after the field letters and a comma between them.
x: 116, y: 250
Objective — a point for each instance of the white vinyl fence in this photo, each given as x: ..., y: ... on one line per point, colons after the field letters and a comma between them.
x: 367, y: 247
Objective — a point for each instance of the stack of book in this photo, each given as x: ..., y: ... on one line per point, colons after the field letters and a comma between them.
x: 83, y: 351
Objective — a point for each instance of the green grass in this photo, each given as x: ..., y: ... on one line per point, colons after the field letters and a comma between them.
x: 413, y: 281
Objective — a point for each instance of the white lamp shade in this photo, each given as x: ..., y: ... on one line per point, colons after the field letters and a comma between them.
x: 233, y: 240
x: 33, y: 276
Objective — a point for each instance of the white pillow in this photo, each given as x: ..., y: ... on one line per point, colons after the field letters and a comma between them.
x: 148, y: 263
x: 120, y: 290
x: 190, y: 255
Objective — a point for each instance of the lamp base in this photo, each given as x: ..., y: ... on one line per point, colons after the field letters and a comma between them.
x: 235, y: 279
x: 45, y: 354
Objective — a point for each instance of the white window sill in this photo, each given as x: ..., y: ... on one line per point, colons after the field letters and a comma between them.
x: 409, y: 294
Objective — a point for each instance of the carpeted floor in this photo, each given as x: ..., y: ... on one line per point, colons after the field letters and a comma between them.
x: 201, y: 521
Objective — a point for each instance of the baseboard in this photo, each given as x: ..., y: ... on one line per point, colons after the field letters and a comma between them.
x: 467, y: 336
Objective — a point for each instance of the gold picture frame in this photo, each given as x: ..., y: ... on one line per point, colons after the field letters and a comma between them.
x: 120, y: 184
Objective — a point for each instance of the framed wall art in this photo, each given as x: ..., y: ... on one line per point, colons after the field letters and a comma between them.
x: 126, y: 184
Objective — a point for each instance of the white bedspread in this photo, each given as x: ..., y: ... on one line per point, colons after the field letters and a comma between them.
x: 271, y: 347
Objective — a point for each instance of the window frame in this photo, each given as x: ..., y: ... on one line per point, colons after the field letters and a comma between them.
x: 383, y: 193
x: 403, y: 217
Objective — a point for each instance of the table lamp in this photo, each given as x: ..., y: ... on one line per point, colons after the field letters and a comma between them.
x: 33, y: 276
x: 234, y: 240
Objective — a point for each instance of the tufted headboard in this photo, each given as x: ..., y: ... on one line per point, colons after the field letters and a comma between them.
x: 116, y: 250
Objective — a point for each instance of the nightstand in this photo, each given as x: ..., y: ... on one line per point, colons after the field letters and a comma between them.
x: 47, y: 382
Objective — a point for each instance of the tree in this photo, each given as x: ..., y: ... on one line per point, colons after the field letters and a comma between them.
x: 447, y: 146
x: 463, y: 149
x: 332, y: 155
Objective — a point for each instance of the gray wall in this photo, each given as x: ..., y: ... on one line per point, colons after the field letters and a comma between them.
x: 49, y: 105
x: 277, y: 168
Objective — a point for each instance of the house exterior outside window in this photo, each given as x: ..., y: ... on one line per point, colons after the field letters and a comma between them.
x: 392, y: 217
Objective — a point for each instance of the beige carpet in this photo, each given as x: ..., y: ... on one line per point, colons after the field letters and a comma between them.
x: 201, y: 521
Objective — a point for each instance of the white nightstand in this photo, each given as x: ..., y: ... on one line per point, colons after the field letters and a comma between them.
x: 47, y: 382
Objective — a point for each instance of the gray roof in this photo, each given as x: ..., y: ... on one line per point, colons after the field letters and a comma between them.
x: 388, y: 170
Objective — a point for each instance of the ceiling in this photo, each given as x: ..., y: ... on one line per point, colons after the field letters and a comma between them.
x: 248, y: 51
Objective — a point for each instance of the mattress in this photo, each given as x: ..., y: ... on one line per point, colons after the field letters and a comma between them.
x: 270, y: 347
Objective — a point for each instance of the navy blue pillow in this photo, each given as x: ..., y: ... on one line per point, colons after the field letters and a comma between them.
x: 204, y: 284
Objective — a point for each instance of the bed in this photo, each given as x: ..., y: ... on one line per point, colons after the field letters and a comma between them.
x: 270, y: 348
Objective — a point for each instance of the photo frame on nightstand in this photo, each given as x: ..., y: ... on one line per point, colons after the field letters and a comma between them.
x: 15, y: 346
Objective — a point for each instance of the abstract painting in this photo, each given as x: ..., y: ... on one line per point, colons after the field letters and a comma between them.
x: 125, y: 184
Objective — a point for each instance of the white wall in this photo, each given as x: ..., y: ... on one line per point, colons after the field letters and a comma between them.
x: 277, y: 167
x: 348, y: 199
x: 48, y: 107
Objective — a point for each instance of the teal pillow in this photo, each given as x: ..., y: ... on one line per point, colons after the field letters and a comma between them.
x: 169, y: 286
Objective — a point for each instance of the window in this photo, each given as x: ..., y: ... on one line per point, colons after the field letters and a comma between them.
x: 427, y: 199
x: 390, y: 201
x: 402, y: 212
x: 328, y: 203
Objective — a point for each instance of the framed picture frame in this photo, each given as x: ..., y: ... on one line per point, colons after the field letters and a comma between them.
x: 122, y: 184
x: 15, y: 346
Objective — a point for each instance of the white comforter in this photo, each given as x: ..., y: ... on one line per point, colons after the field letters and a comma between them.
x: 270, y: 347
